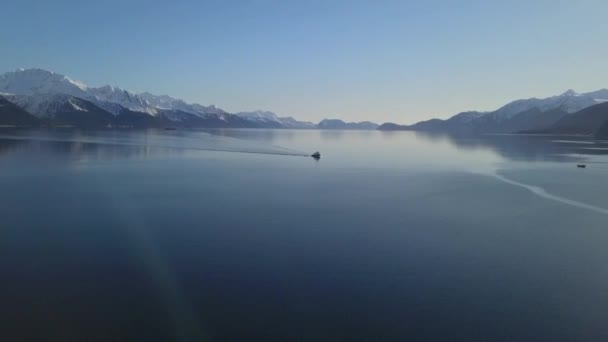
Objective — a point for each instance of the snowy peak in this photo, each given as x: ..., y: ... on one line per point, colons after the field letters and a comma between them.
x: 161, y: 101
x: 259, y: 115
x: 290, y: 122
x: 115, y: 95
x: 165, y: 102
x: 569, y: 101
x: 39, y: 81
x: 262, y: 118
x: 110, y: 98
x: 211, y: 109
x: 569, y: 92
x: 525, y: 115
x: 56, y: 99
x: 270, y: 119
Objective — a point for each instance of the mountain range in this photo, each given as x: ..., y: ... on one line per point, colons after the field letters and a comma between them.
x: 37, y: 97
x: 567, y: 113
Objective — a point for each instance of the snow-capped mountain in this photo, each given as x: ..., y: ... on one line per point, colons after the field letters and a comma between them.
x: 570, y: 102
x: 110, y: 98
x: 115, y: 95
x: 260, y: 116
x: 168, y: 102
x: 49, y: 96
x: 164, y: 101
x: 532, y: 114
x: 289, y: 122
x: 39, y: 81
x: 270, y: 119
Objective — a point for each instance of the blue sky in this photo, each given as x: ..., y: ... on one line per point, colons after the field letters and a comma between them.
x: 399, y: 61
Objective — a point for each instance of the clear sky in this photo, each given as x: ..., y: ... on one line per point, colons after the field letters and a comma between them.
x: 399, y: 61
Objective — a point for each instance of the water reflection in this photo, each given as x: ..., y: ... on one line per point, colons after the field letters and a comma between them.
x: 132, y: 144
x: 375, y: 145
x: 81, y: 151
x: 521, y: 147
x: 269, y: 135
x: 153, y: 249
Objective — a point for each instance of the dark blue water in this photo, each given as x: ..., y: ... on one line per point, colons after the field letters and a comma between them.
x: 149, y: 236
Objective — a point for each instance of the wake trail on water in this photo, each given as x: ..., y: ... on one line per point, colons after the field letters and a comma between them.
x: 171, y: 143
x: 538, y: 191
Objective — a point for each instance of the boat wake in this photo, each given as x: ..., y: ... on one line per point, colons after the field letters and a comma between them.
x: 202, y: 143
x: 538, y: 191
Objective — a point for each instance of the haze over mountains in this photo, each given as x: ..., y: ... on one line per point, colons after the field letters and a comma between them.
x: 36, y: 97
x: 568, y: 113
x: 41, y: 97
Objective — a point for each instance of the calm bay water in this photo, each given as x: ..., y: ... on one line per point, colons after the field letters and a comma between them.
x: 155, y: 235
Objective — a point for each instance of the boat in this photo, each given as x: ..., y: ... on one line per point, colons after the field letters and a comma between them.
x: 582, y: 166
x: 170, y: 128
x: 316, y: 155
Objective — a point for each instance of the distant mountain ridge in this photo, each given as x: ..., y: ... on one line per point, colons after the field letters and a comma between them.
x: 41, y: 97
x: 588, y: 121
x: 273, y: 120
x: 55, y: 99
x: 339, y: 124
x: 526, y: 115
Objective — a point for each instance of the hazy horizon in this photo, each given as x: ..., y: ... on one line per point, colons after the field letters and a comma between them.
x: 400, y: 62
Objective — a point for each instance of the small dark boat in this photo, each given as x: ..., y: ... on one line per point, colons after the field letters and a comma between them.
x: 316, y: 155
x: 582, y: 166
x: 170, y: 128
